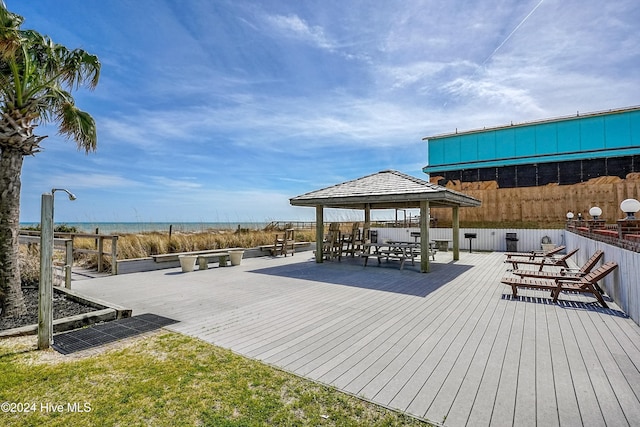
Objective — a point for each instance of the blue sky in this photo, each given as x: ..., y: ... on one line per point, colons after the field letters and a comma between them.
x: 223, y: 110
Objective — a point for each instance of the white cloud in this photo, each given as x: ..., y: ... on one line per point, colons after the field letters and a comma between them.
x: 96, y: 181
x: 292, y: 26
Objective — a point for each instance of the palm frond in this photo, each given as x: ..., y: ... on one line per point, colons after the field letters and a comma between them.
x: 79, y: 126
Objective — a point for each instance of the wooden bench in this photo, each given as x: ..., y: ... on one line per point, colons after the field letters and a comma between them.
x: 272, y: 248
x: 388, y: 254
x: 204, y: 259
x: 174, y: 256
x: 442, y: 244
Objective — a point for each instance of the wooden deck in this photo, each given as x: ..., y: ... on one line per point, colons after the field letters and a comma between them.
x: 450, y: 346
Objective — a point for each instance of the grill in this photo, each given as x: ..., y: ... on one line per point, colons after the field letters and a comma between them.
x: 470, y: 236
x: 512, y: 242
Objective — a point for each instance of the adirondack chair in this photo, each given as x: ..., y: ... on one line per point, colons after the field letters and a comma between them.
x: 332, y: 245
x: 586, y: 284
x: 350, y: 240
x: 564, y: 273
x: 556, y: 262
x: 284, y: 243
x: 535, y: 254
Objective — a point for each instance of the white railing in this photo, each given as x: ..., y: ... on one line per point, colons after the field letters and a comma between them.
x: 486, y: 239
x: 623, y: 285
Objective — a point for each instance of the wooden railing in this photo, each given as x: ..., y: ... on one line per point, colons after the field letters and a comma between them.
x: 29, y: 236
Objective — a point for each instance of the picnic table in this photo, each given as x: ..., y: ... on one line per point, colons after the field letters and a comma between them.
x: 394, y: 250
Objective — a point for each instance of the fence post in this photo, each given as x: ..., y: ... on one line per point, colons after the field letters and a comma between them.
x: 68, y: 263
x: 100, y: 247
x: 114, y: 255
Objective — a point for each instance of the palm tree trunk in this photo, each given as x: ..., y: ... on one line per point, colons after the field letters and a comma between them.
x: 11, y: 299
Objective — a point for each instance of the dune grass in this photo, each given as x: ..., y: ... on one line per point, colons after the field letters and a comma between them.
x: 168, y: 379
x: 131, y: 246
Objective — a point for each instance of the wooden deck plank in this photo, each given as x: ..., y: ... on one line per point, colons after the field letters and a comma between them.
x: 567, y: 411
x: 363, y: 338
x: 351, y: 326
x: 379, y: 355
x: 604, y: 347
x: 463, y: 343
x: 506, y: 394
x: 438, y: 391
x: 451, y: 344
x: 525, y: 409
x: 545, y: 399
x: 465, y: 378
x: 424, y: 340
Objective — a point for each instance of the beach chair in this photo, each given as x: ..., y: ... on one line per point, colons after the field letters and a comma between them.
x: 548, y: 261
x: 566, y: 273
x: 536, y: 254
x: 586, y: 284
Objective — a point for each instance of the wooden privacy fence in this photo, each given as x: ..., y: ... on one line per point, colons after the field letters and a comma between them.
x: 111, y: 247
x: 546, y: 204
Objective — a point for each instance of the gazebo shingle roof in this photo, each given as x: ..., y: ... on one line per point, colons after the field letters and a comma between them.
x: 385, y: 189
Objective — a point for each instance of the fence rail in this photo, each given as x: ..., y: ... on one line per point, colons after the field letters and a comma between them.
x: 33, y: 237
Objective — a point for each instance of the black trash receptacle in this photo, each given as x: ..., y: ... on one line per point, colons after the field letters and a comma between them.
x: 512, y: 242
x: 373, y: 235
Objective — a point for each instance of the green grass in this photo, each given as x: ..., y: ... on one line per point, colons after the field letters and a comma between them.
x: 168, y: 379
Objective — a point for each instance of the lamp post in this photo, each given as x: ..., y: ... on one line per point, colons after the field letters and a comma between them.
x: 45, y: 289
x: 630, y: 207
x: 595, y: 212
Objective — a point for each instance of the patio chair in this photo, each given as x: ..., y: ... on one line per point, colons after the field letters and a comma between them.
x: 566, y: 273
x: 349, y: 240
x: 536, y: 254
x: 284, y: 243
x: 548, y: 261
x: 332, y: 245
x: 586, y: 284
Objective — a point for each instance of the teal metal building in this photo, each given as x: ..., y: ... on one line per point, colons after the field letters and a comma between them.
x: 565, y: 150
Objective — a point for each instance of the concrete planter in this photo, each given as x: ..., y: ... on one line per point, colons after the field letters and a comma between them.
x: 236, y: 257
x: 187, y: 262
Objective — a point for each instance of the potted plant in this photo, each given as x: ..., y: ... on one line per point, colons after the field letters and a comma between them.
x: 236, y: 257
x: 187, y: 262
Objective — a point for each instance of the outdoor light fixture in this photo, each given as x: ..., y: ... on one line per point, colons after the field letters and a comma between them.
x: 630, y: 207
x: 569, y: 215
x: 595, y: 212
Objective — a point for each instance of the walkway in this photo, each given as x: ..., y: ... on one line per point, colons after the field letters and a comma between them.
x: 450, y: 346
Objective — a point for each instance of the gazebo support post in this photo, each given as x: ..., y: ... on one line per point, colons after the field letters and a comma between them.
x: 319, y: 233
x: 424, y: 236
x: 367, y: 218
x: 456, y: 233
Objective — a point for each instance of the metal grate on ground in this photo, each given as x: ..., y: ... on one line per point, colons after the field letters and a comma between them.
x: 105, y: 333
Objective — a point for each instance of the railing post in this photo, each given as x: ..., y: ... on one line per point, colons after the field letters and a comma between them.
x: 114, y: 255
x: 68, y: 263
x: 100, y: 244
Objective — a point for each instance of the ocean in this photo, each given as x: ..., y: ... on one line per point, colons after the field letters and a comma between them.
x: 146, y: 227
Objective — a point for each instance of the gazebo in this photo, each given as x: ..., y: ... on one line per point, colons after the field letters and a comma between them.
x: 388, y: 189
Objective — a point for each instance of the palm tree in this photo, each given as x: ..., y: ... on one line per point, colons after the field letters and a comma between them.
x: 36, y: 77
